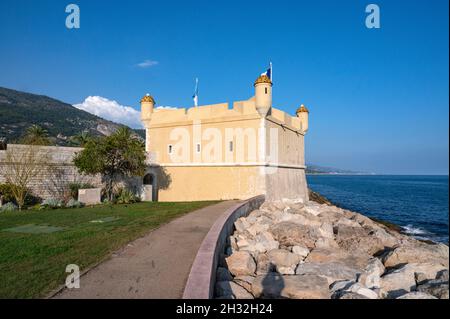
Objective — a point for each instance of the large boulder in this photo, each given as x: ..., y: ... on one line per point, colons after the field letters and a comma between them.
x: 332, y: 271
x: 245, y: 282
x: 241, y: 224
x: 301, y: 251
x: 229, y: 288
x: 371, y: 276
x: 257, y: 228
x: 241, y: 263
x: 403, y: 280
x: 284, y: 261
x: 436, y: 287
x: 291, y: 234
x: 325, y: 230
x: 417, y: 253
x: 263, y: 264
x: 323, y: 255
x: 265, y: 242
x: 352, y: 288
x: 357, y: 240
x: 274, y: 285
x: 351, y: 295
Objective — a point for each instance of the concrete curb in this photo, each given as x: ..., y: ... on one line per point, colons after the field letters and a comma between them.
x: 201, y: 280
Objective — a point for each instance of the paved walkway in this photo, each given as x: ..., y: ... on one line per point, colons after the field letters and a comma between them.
x: 154, y: 266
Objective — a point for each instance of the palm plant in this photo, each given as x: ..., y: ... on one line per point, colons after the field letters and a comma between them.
x: 82, y: 138
x: 36, y: 135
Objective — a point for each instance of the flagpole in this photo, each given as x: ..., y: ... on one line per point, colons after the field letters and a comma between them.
x: 271, y: 72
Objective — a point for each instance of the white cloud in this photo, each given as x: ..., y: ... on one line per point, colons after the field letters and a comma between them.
x: 111, y: 110
x: 147, y: 64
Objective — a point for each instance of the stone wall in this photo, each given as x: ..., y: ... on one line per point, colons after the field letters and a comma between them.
x: 54, y: 177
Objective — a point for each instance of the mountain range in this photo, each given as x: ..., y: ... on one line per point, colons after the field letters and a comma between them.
x: 20, y: 110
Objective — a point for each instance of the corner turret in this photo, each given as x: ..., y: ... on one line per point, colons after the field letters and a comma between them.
x: 147, y: 105
x: 303, y: 114
x: 263, y: 95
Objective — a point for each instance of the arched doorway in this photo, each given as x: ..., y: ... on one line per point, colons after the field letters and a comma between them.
x: 149, y: 188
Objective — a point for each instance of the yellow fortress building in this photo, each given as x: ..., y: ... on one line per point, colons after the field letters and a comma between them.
x: 214, y: 152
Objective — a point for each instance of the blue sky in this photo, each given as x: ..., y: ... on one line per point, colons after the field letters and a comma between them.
x: 378, y: 97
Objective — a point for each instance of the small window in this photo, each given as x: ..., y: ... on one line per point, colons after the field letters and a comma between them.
x: 231, y: 146
x: 170, y: 149
x: 265, y: 90
x: 198, y: 148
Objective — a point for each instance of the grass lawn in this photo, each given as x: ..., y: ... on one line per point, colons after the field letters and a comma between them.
x: 32, y: 265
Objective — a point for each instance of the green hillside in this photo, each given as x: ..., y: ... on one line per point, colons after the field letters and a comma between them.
x: 19, y: 110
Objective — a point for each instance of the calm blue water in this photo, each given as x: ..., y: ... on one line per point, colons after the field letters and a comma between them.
x: 417, y: 203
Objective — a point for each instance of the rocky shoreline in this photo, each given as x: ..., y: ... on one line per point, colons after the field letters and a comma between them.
x: 317, y: 250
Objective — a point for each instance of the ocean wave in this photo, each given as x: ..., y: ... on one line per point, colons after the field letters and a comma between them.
x: 411, y: 230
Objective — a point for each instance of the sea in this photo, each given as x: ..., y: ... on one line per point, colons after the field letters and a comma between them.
x: 418, y: 204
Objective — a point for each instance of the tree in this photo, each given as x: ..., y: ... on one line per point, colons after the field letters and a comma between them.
x: 82, y: 139
x: 118, y: 155
x: 36, y: 135
x: 21, y: 167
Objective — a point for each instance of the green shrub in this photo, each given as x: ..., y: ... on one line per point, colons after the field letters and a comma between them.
x: 125, y: 196
x: 72, y: 203
x: 31, y: 200
x: 52, y: 203
x: 8, y: 196
x: 74, y: 187
x: 6, y: 193
x: 9, y: 207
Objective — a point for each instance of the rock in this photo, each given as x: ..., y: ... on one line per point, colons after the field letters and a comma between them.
x: 285, y: 262
x: 359, y: 289
x: 341, y: 288
x: 241, y: 224
x: 233, y: 243
x: 229, y: 288
x: 420, y: 277
x: 274, y: 285
x: 312, y: 210
x: 417, y: 253
x: 257, y: 228
x: 241, y: 263
x: 266, y: 242
x: 437, y: 288
x: 386, y: 239
x: 245, y: 282
x: 301, y: 251
x: 263, y: 264
x: 332, y: 271
x: 223, y: 274
x: 325, y: 230
x: 246, y: 244
x: 347, y: 222
x: 322, y: 255
x: 340, y: 285
x: 352, y: 295
x: 416, y: 295
x: 442, y: 275
x: 370, y: 277
x: 326, y: 243
x: 256, y: 213
x: 291, y: 234
x: 402, y: 280
x: 273, y: 206
x: 357, y: 240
